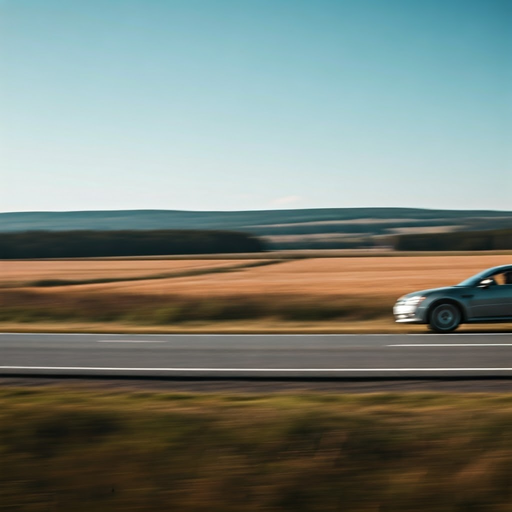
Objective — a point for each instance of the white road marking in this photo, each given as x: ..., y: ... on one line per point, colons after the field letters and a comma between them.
x: 253, y: 370
x: 131, y: 341
x: 451, y: 345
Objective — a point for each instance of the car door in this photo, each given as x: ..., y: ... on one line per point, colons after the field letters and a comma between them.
x: 492, y: 302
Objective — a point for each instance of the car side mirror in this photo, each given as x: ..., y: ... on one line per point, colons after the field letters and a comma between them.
x: 485, y: 283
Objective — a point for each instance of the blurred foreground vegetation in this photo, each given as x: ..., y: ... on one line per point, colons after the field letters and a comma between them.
x: 27, y: 306
x: 78, y: 450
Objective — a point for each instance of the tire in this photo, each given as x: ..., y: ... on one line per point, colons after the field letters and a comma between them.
x: 444, y: 318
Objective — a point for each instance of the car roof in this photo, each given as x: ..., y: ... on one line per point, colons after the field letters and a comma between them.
x: 499, y: 268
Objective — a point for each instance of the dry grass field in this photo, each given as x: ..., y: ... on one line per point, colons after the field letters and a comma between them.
x: 372, y: 276
x: 20, y: 272
x: 334, y: 293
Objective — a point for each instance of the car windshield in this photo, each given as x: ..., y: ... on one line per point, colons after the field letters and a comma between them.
x: 474, y: 280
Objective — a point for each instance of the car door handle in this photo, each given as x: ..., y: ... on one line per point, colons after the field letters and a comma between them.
x: 467, y: 296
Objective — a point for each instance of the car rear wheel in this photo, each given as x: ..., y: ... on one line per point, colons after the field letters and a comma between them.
x: 444, y: 318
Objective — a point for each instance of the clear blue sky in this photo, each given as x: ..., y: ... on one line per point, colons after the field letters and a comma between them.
x: 255, y: 104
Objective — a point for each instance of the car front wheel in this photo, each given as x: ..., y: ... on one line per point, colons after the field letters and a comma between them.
x: 444, y: 318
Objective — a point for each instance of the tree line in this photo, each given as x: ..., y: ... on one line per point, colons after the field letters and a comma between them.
x: 85, y: 244
x: 491, y: 240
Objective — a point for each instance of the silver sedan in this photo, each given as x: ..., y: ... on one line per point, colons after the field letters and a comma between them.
x: 484, y: 297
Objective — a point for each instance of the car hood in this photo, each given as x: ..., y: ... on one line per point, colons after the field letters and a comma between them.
x: 430, y: 291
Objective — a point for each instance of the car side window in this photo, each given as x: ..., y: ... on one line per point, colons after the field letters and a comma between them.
x: 503, y: 278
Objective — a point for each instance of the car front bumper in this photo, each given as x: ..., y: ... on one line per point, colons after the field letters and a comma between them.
x: 408, y: 313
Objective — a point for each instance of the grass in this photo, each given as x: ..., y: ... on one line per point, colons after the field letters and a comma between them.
x: 31, y: 306
x: 259, y: 326
x: 307, y: 295
x: 70, y: 449
x: 92, y: 273
x: 318, y: 277
x: 167, y: 275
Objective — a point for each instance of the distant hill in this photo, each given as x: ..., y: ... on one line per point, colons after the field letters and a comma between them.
x: 281, y: 229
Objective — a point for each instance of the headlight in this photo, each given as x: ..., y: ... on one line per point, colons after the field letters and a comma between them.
x: 406, y: 307
x: 414, y: 301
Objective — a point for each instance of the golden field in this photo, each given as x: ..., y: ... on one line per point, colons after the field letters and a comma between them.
x: 312, y: 293
x: 21, y: 272
x: 371, y: 276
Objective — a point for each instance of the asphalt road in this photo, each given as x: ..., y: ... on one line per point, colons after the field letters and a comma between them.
x: 257, y: 356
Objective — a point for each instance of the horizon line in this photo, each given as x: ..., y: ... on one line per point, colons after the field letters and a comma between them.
x: 161, y: 210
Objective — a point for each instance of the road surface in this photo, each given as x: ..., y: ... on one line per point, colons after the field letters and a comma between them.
x: 257, y: 356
